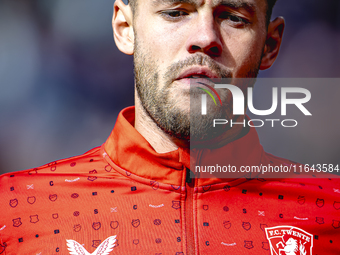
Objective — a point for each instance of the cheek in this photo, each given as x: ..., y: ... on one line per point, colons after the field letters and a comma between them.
x: 243, y: 46
x: 165, y: 41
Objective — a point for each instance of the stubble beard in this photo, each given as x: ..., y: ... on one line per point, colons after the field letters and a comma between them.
x: 162, y: 106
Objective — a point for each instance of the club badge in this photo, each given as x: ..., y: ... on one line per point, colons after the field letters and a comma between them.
x: 284, y: 240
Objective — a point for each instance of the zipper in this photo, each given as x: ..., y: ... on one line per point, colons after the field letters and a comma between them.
x: 189, y: 214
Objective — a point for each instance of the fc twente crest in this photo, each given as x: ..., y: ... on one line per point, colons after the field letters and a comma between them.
x: 288, y: 240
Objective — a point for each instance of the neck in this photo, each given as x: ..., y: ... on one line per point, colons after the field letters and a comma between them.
x: 164, y: 143
x: 157, y: 138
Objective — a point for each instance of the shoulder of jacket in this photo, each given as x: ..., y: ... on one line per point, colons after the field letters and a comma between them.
x: 90, y: 159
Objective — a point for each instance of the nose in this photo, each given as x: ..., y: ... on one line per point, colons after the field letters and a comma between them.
x: 204, y: 36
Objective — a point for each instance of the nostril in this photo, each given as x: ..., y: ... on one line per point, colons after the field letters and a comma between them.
x: 195, y: 47
x: 215, y: 50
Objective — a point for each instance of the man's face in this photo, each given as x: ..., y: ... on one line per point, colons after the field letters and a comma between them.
x: 179, y: 41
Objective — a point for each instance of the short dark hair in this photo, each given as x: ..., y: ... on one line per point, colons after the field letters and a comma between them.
x: 270, y: 6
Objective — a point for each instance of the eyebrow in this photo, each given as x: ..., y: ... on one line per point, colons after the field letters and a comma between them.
x: 159, y: 2
x: 237, y: 4
x: 234, y: 4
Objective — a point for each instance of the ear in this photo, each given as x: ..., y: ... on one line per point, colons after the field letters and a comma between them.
x: 122, y: 26
x: 273, y: 42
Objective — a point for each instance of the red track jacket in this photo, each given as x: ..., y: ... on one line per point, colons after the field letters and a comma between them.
x: 124, y: 198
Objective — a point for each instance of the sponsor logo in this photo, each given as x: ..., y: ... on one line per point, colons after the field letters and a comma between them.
x: 288, y: 240
x: 104, y: 248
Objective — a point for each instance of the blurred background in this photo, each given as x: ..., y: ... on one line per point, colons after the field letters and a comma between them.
x: 63, y: 81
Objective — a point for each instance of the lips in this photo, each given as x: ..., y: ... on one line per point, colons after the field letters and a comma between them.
x: 195, y: 76
x: 197, y: 73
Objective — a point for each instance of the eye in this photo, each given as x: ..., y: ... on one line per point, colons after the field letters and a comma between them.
x: 173, y: 14
x: 233, y: 19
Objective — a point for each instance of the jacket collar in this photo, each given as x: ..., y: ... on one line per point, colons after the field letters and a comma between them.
x: 129, y: 150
